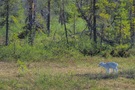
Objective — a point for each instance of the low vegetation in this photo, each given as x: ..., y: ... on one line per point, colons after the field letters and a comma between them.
x: 71, y: 74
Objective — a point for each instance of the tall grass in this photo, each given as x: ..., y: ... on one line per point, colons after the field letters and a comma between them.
x: 66, y: 82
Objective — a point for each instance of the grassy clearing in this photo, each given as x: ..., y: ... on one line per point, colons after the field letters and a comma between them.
x: 69, y: 75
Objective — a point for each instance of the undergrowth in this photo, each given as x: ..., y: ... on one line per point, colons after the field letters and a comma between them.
x: 38, y: 52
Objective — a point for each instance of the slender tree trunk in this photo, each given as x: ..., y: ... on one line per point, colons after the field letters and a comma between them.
x: 74, y: 27
x: 30, y: 21
x: 65, y: 27
x: 133, y: 25
x: 48, y: 18
x: 94, y: 21
x: 131, y: 29
x: 120, y: 31
x: 81, y: 3
x: 7, y: 22
x: 32, y: 15
x: 34, y: 20
x: 102, y: 33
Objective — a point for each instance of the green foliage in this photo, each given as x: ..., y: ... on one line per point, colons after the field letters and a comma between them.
x: 41, y: 51
x: 60, y: 81
x: 22, y: 67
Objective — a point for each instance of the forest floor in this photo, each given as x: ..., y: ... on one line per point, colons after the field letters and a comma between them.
x: 67, y: 75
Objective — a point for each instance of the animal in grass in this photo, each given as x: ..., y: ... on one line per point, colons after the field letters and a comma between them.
x: 109, y: 65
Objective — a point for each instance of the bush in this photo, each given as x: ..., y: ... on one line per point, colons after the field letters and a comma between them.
x: 38, y: 52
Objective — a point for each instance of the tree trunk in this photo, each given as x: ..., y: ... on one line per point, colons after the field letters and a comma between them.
x: 102, y: 33
x: 48, y: 18
x: 94, y: 21
x: 74, y: 27
x: 133, y: 25
x: 64, y: 19
x: 7, y: 22
x: 32, y: 15
x: 120, y: 31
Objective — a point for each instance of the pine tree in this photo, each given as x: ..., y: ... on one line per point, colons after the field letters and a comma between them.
x: 6, y: 8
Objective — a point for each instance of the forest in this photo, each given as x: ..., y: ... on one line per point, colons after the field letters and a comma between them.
x: 50, y: 29
x: 53, y: 44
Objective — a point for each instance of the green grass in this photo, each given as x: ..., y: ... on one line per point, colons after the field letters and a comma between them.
x: 70, y: 74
